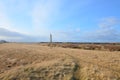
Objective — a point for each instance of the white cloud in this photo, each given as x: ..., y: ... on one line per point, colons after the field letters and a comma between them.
x: 106, y: 32
x: 5, y: 21
x: 8, y: 31
x: 8, y: 35
x: 77, y: 30
x: 10, y: 38
x: 47, y: 12
x: 109, y: 22
x: 43, y: 15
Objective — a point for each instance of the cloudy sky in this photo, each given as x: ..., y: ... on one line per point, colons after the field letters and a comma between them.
x: 66, y: 20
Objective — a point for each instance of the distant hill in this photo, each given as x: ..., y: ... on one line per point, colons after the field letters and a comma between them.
x: 3, y: 41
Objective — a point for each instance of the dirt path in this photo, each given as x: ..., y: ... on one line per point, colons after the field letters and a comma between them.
x: 97, y: 65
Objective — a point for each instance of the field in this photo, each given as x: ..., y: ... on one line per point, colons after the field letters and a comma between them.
x: 20, y: 61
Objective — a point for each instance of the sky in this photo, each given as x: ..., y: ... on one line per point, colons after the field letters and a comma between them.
x: 66, y: 20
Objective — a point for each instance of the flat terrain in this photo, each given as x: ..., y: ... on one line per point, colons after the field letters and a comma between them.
x: 37, y: 62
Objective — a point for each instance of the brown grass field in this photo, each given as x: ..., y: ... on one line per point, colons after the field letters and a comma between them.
x: 20, y: 61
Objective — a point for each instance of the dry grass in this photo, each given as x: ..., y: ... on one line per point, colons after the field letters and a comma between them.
x: 88, y: 46
x: 36, y: 62
x: 98, y: 65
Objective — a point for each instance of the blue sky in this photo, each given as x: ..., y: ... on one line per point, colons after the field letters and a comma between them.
x: 67, y: 20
